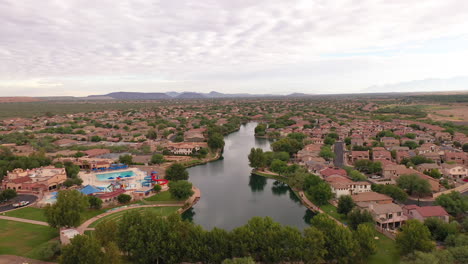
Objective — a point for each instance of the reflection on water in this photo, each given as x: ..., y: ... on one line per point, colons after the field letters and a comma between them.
x: 257, y: 183
x: 231, y: 195
x: 279, y: 188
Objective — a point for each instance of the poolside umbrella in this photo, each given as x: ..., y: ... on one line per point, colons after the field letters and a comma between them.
x: 110, y: 178
x: 127, y: 176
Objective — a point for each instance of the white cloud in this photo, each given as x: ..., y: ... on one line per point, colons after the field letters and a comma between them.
x: 272, y: 46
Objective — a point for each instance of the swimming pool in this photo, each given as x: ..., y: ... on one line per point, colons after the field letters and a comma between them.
x: 114, y: 175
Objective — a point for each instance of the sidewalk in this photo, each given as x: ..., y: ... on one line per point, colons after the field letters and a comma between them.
x: 23, y: 220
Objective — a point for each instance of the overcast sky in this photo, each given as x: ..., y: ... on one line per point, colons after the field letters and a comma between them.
x: 81, y: 47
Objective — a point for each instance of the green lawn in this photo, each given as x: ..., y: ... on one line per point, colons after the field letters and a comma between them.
x: 22, y: 239
x: 31, y: 213
x: 163, y: 197
x: 386, y: 251
x: 161, y: 211
x: 331, y: 210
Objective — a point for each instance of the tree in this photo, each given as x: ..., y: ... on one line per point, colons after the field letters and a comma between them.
x: 157, y: 159
x: 257, y: 158
x: 66, y: 212
x: 106, y: 232
x: 434, y: 173
x: 414, y: 185
x: 339, y: 242
x: 314, y: 250
x: 288, y: 145
x: 455, y: 203
x: 440, y: 229
x: 216, y: 141
x: 96, y: 139
x: 176, y: 172
x: 465, y: 147
x: 8, y: 194
x: 71, y: 169
x: 82, y: 249
x: 364, y: 236
x: 391, y: 190
x: 152, y: 134
x: 345, y: 204
x: 326, y: 153
x: 180, y: 189
x: 414, y: 236
x: 278, y: 166
x: 411, y: 144
x: 355, y: 175
x: 260, y: 129
x: 357, y: 217
x: 157, y: 188
x: 124, y: 198
x: 321, y: 193
x: 94, y: 202
x: 126, y: 159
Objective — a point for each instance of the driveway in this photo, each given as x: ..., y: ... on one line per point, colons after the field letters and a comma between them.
x: 339, y: 154
x: 20, y: 197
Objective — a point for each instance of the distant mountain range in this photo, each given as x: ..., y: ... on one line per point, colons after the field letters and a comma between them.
x: 181, y: 95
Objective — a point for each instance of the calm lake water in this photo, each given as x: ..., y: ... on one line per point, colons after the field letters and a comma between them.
x: 231, y: 195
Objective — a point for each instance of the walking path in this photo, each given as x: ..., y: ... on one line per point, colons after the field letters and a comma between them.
x: 192, y: 200
x: 24, y: 220
x: 311, y: 206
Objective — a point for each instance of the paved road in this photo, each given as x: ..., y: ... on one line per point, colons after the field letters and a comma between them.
x: 20, y: 197
x: 339, y: 154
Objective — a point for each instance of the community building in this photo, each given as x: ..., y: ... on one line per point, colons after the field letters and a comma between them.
x: 40, y: 179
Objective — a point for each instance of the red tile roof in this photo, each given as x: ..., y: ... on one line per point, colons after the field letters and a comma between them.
x: 430, y: 211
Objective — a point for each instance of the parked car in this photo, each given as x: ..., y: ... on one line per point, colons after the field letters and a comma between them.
x: 21, y: 204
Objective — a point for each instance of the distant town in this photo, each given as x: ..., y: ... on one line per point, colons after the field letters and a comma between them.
x: 382, y: 177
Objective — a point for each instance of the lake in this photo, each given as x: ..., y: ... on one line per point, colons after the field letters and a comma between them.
x: 231, y: 195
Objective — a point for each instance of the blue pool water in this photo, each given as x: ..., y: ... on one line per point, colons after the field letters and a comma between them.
x: 121, y: 174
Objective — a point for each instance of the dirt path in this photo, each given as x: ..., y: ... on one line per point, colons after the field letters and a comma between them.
x: 23, y: 220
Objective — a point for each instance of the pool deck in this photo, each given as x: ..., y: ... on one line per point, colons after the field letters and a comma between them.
x: 91, y: 179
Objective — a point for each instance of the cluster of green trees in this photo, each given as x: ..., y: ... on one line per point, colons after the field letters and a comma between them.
x: 368, y: 166
x: 391, y: 190
x: 7, y: 194
x: 416, y: 160
x: 147, y: 238
x: 179, y: 187
x: 215, y: 138
x: 260, y: 129
x: 414, y: 185
x: 287, y: 144
x: 9, y: 162
x: 317, y: 189
x: 454, y: 203
x: 413, y: 111
x: 72, y: 171
x: 326, y: 153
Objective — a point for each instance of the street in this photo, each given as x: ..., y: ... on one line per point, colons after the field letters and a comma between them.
x: 21, y: 197
x: 339, y: 154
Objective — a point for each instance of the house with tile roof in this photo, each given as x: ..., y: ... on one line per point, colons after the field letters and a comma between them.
x: 424, y: 212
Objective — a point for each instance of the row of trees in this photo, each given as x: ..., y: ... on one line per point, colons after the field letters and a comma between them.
x: 147, y: 238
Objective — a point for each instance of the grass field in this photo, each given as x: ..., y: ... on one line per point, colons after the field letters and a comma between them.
x: 31, y: 213
x: 161, y: 211
x: 386, y: 251
x: 22, y: 239
x: 163, y: 197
